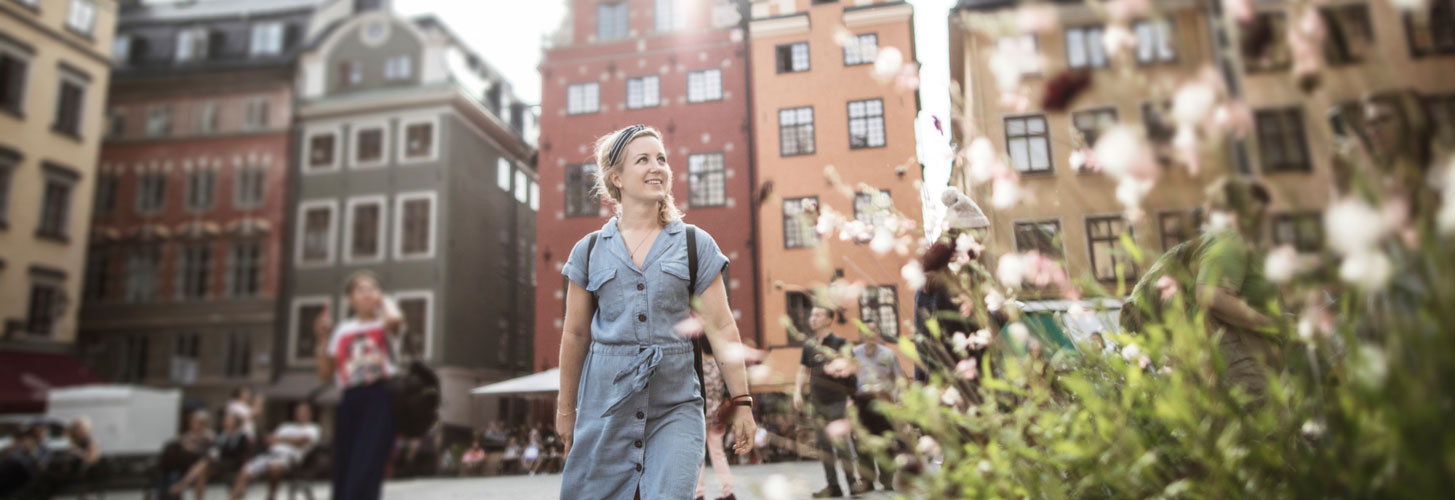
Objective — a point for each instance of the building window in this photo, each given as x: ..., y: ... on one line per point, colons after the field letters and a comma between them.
x: 315, y: 239
x: 502, y: 174
x: 305, y: 313
x: 1281, y: 142
x: 55, y: 208
x: 866, y: 124
x: 1043, y: 237
x: 151, y: 192
x: 14, y: 64
x: 47, y: 301
x: 1092, y: 122
x: 397, y: 68
x: 249, y: 186
x: 415, y: 306
x: 185, y: 349
x: 581, y: 200
x: 134, y: 358
x: 863, y: 49
x: 705, y: 85
x: 792, y: 58
x: 872, y: 209
x: 194, y: 271
x: 99, y: 273
x: 800, y: 215
x: 1156, y: 118
x: 707, y: 179
x: 798, y: 306
x: 419, y: 140
x: 7, y: 177
x: 611, y: 21
x: 143, y: 274
x: 191, y: 44
x: 106, y: 189
x: 642, y: 92
x: 159, y: 121
x: 364, y: 229
x: 669, y: 15
x: 1265, y: 43
x: 414, y: 225
x: 82, y: 16
x: 583, y: 98
x: 795, y: 131
x: 70, y: 103
x: 522, y: 193
x: 206, y: 117
x: 267, y: 39
x: 350, y: 73
x: 1432, y: 32
x: 1176, y: 227
x: 115, y: 124
x: 1349, y: 35
x: 255, y: 113
x: 1028, y: 143
x: 1021, y: 50
x: 322, y: 151
x: 201, y: 184
x: 535, y: 196
x: 121, y: 49
x: 1103, y: 239
x: 369, y: 144
x: 244, y: 269
x: 1304, y: 231
x: 1084, y: 48
x: 880, y: 304
x: 237, y: 355
x: 1155, y: 41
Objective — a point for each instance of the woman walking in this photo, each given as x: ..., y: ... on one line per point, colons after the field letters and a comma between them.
x: 716, y: 393
x: 630, y: 410
x: 357, y: 356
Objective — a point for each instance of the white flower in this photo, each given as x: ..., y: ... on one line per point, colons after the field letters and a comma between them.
x: 994, y: 300
x: 1369, y: 270
x: 984, y: 467
x: 1005, y: 193
x: 1353, y: 226
x: 1219, y: 220
x: 964, y: 242
x: 760, y: 374
x: 1131, y: 352
x: 913, y: 274
x: 951, y: 397
x: 887, y: 65
x: 966, y: 369
x: 838, y: 429
x: 928, y: 446
x: 1371, y: 366
x: 1281, y: 264
x: 1019, y: 332
x: 689, y: 328
x: 980, y: 338
x: 882, y: 242
x: 1193, y: 103
x: 1121, y: 151
x: 735, y: 352
x: 1010, y: 270
x: 1077, y: 160
x: 982, y: 160
x: 1313, y: 428
x: 959, y: 342
x: 1130, y: 192
x: 777, y: 487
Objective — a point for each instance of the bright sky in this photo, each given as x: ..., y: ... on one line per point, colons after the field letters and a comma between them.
x: 508, y: 35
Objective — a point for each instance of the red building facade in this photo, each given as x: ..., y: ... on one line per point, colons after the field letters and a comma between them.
x: 680, y: 67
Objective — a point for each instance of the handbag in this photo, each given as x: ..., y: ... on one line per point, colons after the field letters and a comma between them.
x: 414, y: 397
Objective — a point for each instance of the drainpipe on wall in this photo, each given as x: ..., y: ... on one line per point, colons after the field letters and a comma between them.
x: 744, y: 23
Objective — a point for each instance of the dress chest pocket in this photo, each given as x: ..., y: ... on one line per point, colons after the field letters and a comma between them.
x: 671, y: 291
x: 609, y: 300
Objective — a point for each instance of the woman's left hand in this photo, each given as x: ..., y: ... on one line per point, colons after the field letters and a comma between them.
x: 744, y: 429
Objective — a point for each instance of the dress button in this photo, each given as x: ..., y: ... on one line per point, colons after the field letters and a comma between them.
x: 639, y: 467
x: 639, y: 443
x: 642, y: 318
x: 641, y: 286
x: 641, y: 415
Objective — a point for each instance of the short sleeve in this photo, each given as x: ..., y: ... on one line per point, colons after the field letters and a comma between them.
x: 575, y: 268
x: 1224, y: 262
x: 710, y: 261
x: 805, y: 357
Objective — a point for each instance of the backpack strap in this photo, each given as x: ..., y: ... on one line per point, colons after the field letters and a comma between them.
x: 589, y: 247
x: 692, y: 287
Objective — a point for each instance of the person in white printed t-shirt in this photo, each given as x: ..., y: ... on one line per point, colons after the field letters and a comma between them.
x: 286, y: 449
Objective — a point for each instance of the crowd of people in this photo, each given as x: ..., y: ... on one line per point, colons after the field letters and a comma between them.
x: 33, y: 467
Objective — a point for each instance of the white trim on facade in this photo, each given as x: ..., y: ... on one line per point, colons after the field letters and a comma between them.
x: 403, y: 139
x: 434, y: 224
x: 360, y: 126
x: 303, y: 208
x: 307, y: 149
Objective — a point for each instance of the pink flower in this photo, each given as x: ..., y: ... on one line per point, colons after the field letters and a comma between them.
x: 689, y: 328
x: 838, y: 429
x: 1168, y: 287
x: 888, y: 64
x: 979, y: 339
x: 840, y: 368
x: 1242, y: 10
x: 1036, y: 18
x: 1122, y: 10
x: 967, y: 369
x: 738, y: 352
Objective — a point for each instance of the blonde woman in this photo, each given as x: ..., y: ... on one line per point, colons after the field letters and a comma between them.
x: 630, y: 410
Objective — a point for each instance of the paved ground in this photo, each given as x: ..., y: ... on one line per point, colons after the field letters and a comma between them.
x: 802, y: 477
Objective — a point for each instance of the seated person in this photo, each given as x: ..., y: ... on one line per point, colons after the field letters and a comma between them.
x: 530, y: 459
x: 510, y: 462
x: 287, y: 446
x: 473, y: 460
x: 21, y: 462
x: 184, y: 459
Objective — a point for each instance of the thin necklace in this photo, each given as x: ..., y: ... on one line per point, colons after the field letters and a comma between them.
x: 639, y: 244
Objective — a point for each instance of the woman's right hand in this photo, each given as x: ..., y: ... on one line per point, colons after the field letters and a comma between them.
x: 566, y: 428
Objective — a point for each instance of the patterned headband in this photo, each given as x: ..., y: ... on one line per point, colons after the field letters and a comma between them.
x: 617, y: 146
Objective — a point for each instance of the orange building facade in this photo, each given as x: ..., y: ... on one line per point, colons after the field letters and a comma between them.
x: 819, y: 114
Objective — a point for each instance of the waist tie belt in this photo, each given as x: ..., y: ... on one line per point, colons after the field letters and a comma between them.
x: 643, y: 364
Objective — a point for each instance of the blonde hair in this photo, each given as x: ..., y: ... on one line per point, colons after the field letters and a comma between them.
x: 667, y: 211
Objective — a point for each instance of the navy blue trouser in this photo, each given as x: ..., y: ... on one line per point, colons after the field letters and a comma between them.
x: 363, y: 440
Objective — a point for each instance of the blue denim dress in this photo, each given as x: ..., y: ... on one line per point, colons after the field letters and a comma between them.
x: 639, y: 421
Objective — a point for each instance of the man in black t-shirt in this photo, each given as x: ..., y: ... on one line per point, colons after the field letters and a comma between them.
x: 829, y: 396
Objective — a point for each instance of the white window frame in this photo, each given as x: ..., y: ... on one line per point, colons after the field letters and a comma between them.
x: 191, y: 45
x: 303, y: 208
x: 580, y: 105
x: 81, y: 17
x: 293, y: 333
x: 705, y: 91
x: 434, y: 224
x: 1060, y: 233
x: 1093, y: 52
x: 338, y: 141
x: 398, y: 68
x: 251, y: 106
x: 353, y: 202
x: 266, y: 39
x: 857, y: 52
x: 669, y: 15
x: 642, y: 98
x: 121, y: 49
x: 153, y: 114
x: 522, y: 190
x: 429, y: 316
x: 205, y: 118
x: 535, y: 196
x: 1156, y: 41
x: 403, y: 140
x: 242, y: 173
x: 195, y: 201
x: 503, y: 169
x: 355, y: 131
